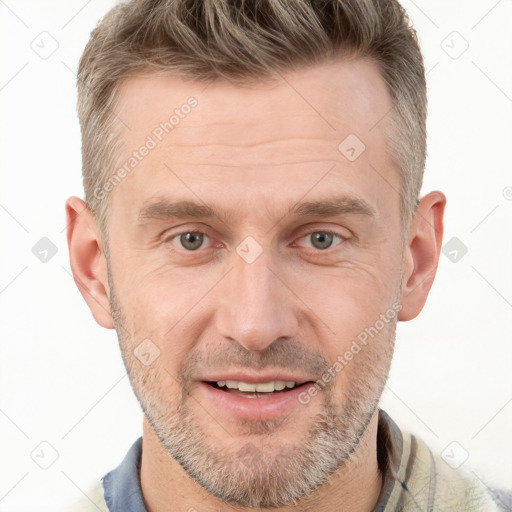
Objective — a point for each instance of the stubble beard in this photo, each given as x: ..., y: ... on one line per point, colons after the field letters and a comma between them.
x: 255, y: 473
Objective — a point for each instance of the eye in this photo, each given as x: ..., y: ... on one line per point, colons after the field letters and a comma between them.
x: 189, y: 240
x: 194, y: 240
x: 323, y: 239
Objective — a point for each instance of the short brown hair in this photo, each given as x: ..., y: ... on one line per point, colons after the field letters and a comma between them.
x: 244, y: 41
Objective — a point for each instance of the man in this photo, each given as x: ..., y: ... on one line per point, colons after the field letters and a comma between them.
x: 253, y: 231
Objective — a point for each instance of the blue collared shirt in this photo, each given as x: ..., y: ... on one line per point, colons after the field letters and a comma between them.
x: 122, y: 491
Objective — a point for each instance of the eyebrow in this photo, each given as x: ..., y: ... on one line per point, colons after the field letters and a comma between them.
x: 164, y: 209
x: 340, y: 205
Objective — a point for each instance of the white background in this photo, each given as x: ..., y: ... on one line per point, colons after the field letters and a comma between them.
x: 62, y: 380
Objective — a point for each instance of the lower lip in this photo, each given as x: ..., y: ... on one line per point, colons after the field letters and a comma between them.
x: 255, y: 408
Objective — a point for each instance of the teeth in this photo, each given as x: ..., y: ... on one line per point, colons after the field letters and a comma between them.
x: 265, y: 387
x: 242, y: 386
x: 261, y: 387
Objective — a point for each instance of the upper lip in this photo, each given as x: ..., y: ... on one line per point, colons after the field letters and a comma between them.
x: 257, y: 378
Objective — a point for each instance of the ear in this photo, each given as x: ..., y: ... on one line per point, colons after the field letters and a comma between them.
x: 87, y: 259
x: 421, y: 254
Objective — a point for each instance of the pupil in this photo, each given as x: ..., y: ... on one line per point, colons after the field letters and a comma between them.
x: 322, y: 240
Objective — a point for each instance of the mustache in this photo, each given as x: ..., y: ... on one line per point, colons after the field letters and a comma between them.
x: 285, y: 354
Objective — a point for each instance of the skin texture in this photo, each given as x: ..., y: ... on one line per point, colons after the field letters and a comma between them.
x: 251, y: 154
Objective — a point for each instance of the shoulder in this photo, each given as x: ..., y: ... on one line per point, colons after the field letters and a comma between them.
x: 446, y: 487
x: 417, y: 478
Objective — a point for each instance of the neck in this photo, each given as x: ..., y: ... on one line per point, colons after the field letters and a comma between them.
x: 356, y: 486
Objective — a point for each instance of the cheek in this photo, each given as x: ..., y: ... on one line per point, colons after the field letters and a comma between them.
x: 363, y: 363
x: 154, y: 302
x: 352, y: 296
x: 169, y: 290
x: 354, y: 309
x: 168, y: 311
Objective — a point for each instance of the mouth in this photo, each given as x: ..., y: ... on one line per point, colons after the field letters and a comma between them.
x: 251, y: 401
x: 259, y: 390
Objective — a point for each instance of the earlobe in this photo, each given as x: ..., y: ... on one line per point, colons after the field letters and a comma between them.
x: 87, y: 259
x: 422, y: 254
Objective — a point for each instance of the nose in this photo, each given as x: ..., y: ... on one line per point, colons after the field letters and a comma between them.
x: 256, y: 307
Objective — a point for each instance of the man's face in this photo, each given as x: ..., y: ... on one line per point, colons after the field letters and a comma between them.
x: 270, y: 287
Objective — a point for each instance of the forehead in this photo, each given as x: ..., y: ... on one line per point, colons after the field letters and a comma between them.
x: 333, y: 96
x: 258, y: 137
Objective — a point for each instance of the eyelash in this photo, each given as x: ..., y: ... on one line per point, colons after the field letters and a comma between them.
x: 324, y: 231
